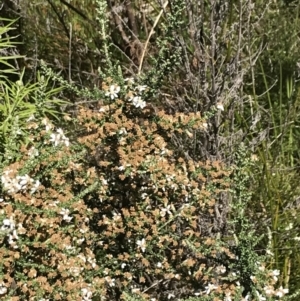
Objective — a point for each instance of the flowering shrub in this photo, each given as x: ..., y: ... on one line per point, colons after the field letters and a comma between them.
x: 46, y: 244
x: 118, y: 211
x: 160, y: 216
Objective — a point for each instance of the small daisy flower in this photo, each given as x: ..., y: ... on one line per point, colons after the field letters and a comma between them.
x: 138, y: 102
x: 142, y: 244
x: 281, y: 292
x: 113, y: 91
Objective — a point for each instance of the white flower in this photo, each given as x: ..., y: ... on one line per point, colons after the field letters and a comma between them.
x: 274, y: 274
x: 117, y: 216
x: 13, y: 236
x: 63, y: 138
x: 141, y: 88
x: 92, y: 262
x: 86, y: 294
x: 47, y: 124
x: 122, y: 131
x: 80, y: 241
x: 65, y: 213
x: 142, y: 244
x: 254, y: 158
x: 59, y: 138
x: 210, y: 288
x: 9, y: 184
x: 159, y: 265
x: 30, y: 118
x: 8, y: 225
x: 3, y: 288
x: 221, y: 269
x: 24, y: 181
x: 60, y: 132
x: 33, y: 152
x: 253, y: 278
x: 165, y: 210
x: 138, y: 102
x: 130, y: 80
x: 66, y: 141
x: 113, y: 91
x: 110, y: 281
x: 289, y: 227
x: 55, y: 139
x: 220, y: 106
x: 269, y: 290
x: 205, y: 125
x: 281, y: 292
x: 35, y: 187
x: 260, y: 297
x: 123, y: 265
x: 227, y: 296
x: 144, y: 195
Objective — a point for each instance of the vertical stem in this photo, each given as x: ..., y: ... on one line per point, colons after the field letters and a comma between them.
x: 70, y: 54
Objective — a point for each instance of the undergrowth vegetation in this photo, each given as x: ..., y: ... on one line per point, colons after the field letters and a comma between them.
x: 119, y: 212
x: 153, y: 178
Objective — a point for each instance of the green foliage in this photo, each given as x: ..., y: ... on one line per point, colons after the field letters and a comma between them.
x: 20, y: 101
x: 170, y: 52
x: 79, y: 233
x: 164, y: 222
x: 7, y: 43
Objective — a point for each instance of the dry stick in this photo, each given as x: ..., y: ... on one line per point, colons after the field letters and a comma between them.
x: 70, y: 54
x: 150, y: 34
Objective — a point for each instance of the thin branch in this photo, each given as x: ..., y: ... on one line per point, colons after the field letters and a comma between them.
x: 150, y: 34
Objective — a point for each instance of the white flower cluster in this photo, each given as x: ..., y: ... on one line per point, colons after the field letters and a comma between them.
x: 59, y: 138
x: 86, y: 294
x: 33, y: 152
x: 65, y: 213
x: 9, y: 228
x: 134, y: 95
x: 269, y: 290
x: 88, y: 259
x: 110, y: 281
x: 19, y: 183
